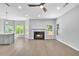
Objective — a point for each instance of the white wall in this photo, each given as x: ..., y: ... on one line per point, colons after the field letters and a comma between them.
x: 1, y: 25
x: 69, y: 28
x: 41, y: 24
x: 27, y: 28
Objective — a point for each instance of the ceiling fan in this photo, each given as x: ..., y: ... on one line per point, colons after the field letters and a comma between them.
x: 65, y: 4
x: 41, y: 5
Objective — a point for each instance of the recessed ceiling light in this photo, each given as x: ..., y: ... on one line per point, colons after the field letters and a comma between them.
x: 27, y: 16
x: 19, y: 7
x: 58, y: 8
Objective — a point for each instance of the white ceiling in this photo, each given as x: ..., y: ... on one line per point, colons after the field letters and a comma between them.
x: 33, y: 12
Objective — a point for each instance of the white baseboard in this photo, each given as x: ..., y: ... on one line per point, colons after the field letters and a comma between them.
x: 68, y: 45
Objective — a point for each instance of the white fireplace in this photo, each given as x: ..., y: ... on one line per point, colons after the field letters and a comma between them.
x: 38, y: 30
x: 46, y: 36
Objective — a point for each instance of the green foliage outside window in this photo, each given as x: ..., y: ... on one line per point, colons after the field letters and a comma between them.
x: 19, y: 29
x: 9, y: 28
x: 49, y: 27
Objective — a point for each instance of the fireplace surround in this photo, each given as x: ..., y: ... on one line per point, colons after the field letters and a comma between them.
x: 38, y: 30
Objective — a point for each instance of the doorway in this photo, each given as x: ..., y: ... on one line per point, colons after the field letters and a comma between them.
x: 20, y: 28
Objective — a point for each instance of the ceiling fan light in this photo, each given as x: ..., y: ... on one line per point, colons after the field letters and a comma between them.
x: 19, y: 7
x: 41, y: 6
x: 58, y: 8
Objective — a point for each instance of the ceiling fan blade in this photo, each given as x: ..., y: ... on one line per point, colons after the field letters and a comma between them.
x: 42, y: 3
x: 33, y: 5
x: 65, y: 4
x: 44, y: 9
x: 7, y: 4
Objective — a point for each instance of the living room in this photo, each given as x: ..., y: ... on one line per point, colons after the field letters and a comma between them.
x: 39, y: 29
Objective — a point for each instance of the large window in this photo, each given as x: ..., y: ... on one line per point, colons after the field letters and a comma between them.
x: 16, y: 27
x: 50, y: 29
x: 9, y: 27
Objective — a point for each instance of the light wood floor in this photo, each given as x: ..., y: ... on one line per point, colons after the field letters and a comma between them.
x: 23, y: 47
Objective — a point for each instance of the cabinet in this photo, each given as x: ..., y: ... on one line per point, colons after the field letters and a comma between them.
x: 6, y: 38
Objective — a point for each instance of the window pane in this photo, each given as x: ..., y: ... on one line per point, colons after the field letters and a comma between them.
x: 9, y: 26
x: 19, y: 29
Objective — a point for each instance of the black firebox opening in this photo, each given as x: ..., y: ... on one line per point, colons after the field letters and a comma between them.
x: 39, y: 35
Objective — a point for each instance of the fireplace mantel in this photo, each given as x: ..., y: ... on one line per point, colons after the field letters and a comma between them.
x: 38, y: 29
